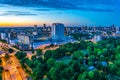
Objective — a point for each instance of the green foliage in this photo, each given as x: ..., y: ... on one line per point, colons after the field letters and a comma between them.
x: 39, y: 52
x: 91, y: 75
x: 113, y: 68
x: 20, y: 55
x: 55, y: 71
x: 50, y: 63
x: 82, y: 76
x: 1, y: 69
x: 58, y: 53
x: 48, y: 54
x: 7, y: 56
x: 10, y: 50
x: 83, y: 55
x: 0, y: 61
x: 33, y: 58
x: 32, y: 51
x: 4, y: 41
x: 78, y: 55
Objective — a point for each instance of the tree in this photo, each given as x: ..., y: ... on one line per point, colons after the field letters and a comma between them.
x: 72, y: 78
x: 39, y: 52
x: 50, y: 63
x: 37, y: 74
x: 92, y: 58
x: 96, y: 74
x: 48, y: 54
x: 7, y: 56
x: 78, y: 54
x: 91, y: 75
x: 33, y: 58
x: 0, y: 61
x: 117, y: 56
x: 40, y: 59
x: 1, y: 68
x: 36, y: 62
x: 32, y: 51
x: 82, y: 76
x: 22, y: 61
x: 105, y: 52
x: 103, y: 76
x: 117, y: 62
x: 58, y: 53
x: 10, y: 50
x: 54, y: 74
x: 4, y: 41
x: 68, y: 72
x: 20, y: 55
x: 102, y: 58
x: 112, y: 68
x: 55, y: 71
x: 117, y: 50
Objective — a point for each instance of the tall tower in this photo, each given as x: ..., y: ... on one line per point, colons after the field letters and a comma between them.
x: 44, y: 25
x: 35, y: 31
x: 57, y: 30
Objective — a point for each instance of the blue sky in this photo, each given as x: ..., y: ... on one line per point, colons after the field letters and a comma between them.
x: 69, y: 12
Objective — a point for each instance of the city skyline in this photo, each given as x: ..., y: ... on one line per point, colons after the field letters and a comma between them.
x: 69, y: 12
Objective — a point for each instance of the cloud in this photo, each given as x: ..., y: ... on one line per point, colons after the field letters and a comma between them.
x: 17, y: 13
x: 85, y: 5
x: 41, y: 9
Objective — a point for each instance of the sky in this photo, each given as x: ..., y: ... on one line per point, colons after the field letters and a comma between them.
x: 68, y: 12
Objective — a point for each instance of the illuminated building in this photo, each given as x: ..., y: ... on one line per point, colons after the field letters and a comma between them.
x: 57, y: 31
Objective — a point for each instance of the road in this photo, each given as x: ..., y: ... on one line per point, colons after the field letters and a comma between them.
x: 12, y: 68
x: 7, y: 46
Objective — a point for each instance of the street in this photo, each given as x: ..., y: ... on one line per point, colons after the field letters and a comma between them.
x: 12, y: 68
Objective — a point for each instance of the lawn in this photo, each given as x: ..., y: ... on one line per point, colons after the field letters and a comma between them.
x: 65, y: 59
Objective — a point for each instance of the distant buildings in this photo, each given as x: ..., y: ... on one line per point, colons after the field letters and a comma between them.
x: 23, y: 39
x: 3, y: 36
x: 34, y: 37
x: 44, y: 25
x: 24, y: 42
x: 96, y: 38
x: 58, y: 35
x: 57, y: 31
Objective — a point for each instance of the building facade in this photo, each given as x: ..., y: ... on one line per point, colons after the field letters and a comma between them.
x: 57, y: 30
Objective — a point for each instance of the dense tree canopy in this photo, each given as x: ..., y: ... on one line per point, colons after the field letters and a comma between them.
x: 88, y: 61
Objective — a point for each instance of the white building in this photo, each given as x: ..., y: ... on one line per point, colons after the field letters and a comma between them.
x: 3, y: 36
x: 97, y: 38
x: 57, y: 31
x: 13, y: 42
x: 24, y: 39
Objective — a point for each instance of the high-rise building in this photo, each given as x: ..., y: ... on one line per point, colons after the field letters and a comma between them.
x: 35, y: 26
x: 35, y: 31
x: 44, y: 25
x: 57, y: 30
x: 3, y: 36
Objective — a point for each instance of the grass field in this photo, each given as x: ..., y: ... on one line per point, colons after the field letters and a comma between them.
x: 65, y: 59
